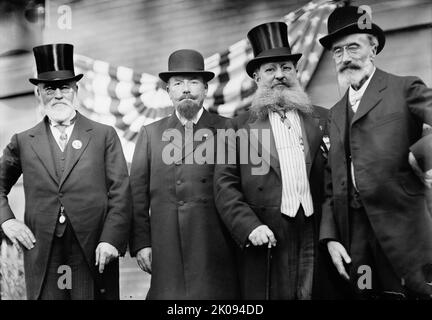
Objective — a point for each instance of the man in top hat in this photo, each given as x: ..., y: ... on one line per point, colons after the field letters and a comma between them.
x: 177, y: 235
x: 280, y: 206
x: 77, y: 194
x: 375, y: 223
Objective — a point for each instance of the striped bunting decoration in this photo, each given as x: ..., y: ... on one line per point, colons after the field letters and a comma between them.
x: 127, y: 100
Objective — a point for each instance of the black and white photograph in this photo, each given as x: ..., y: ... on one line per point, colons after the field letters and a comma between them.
x: 198, y: 152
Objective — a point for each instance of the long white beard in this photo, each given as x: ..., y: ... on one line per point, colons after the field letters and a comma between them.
x: 287, y: 98
x: 60, y: 116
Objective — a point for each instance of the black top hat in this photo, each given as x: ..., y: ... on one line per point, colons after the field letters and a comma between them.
x: 186, y: 61
x: 269, y: 42
x: 54, y: 63
x: 347, y: 20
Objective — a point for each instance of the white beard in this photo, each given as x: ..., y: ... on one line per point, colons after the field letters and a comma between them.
x: 354, y: 78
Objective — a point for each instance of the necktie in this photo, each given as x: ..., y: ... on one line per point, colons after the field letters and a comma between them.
x: 282, y: 113
x: 188, y: 142
x: 354, y: 98
x: 62, y: 128
x: 63, y: 135
x: 188, y: 128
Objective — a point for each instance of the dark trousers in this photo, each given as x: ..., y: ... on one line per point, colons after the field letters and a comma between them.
x: 292, y: 262
x: 366, y: 254
x: 67, y: 252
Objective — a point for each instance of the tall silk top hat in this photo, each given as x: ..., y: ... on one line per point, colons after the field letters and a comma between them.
x: 348, y: 20
x: 54, y: 63
x: 269, y: 42
x: 186, y: 61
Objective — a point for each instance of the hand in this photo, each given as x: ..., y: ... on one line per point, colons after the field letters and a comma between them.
x: 105, y: 252
x: 337, y: 252
x: 262, y: 235
x: 18, y: 233
x: 428, y: 178
x: 425, y: 177
x: 144, y: 259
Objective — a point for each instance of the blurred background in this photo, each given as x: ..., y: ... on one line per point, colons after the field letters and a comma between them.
x: 121, y: 46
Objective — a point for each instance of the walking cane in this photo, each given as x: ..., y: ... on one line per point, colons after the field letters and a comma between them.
x: 267, y: 285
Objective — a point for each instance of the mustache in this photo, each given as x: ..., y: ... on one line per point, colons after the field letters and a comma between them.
x: 62, y: 101
x: 349, y: 65
x: 287, y: 82
x: 187, y: 96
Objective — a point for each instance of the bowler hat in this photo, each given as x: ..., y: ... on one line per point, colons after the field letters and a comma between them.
x: 269, y: 42
x: 186, y: 61
x: 349, y: 20
x: 54, y: 63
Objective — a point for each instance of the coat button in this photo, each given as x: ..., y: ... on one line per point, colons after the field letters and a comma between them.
x: 61, y: 194
x: 181, y: 202
x: 342, y: 183
x: 260, y: 188
x: 179, y: 182
x: 203, y: 180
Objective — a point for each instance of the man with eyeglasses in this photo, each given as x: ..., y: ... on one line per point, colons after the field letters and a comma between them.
x: 375, y: 222
x: 77, y: 194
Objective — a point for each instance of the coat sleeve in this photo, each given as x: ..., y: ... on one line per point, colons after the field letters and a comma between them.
x: 10, y: 171
x: 230, y: 203
x: 117, y: 221
x: 419, y: 99
x: 328, y: 230
x: 140, y: 182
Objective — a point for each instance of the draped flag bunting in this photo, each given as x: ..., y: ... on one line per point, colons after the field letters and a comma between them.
x: 127, y: 100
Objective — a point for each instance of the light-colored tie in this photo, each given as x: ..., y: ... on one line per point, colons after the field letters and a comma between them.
x: 354, y: 98
x: 189, y: 129
x: 63, y: 136
x: 188, y: 142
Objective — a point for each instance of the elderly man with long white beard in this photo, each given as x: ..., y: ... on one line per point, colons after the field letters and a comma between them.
x: 375, y: 222
x: 273, y: 214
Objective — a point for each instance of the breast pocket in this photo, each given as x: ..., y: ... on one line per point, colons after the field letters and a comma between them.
x: 388, y: 118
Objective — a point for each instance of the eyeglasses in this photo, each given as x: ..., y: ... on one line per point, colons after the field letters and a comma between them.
x: 50, y: 91
x: 351, y: 49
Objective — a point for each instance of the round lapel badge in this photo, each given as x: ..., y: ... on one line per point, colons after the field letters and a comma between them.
x: 76, y: 144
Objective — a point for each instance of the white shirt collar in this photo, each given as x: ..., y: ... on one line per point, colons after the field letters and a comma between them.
x: 194, y: 119
x: 359, y: 93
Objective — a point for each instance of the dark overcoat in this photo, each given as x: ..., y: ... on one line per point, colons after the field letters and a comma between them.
x: 175, y: 214
x: 247, y: 197
x: 388, y: 121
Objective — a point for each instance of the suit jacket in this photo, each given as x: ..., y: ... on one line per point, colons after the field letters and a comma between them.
x: 388, y: 121
x: 94, y: 191
x: 246, y: 200
x: 175, y: 215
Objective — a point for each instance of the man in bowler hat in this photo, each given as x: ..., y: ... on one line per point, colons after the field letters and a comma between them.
x: 375, y: 222
x: 281, y: 206
x: 177, y: 235
x: 76, y: 186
